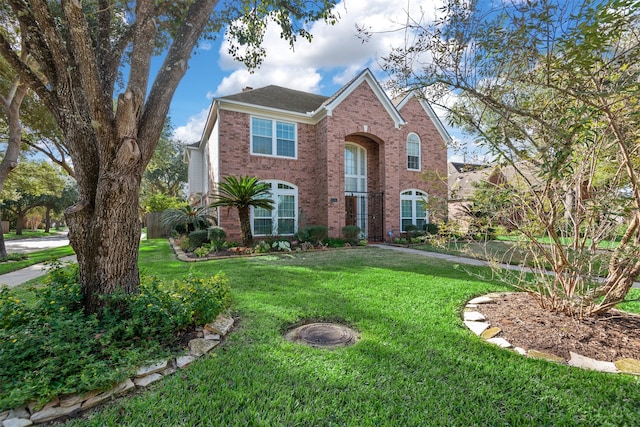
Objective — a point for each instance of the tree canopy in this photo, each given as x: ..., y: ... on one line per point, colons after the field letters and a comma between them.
x: 90, y: 63
x: 554, y: 85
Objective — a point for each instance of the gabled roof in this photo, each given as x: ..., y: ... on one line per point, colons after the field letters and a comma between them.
x: 430, y: 112
x: 365, y: 76
x: 280, y: 98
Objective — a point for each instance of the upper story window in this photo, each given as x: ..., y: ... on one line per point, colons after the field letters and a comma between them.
x: 273, y: 138
x: 413, y: 152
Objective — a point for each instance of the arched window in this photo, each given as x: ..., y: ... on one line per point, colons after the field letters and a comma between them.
x: 283, y: 219
x: 413, y: 152
x: 413, y: 209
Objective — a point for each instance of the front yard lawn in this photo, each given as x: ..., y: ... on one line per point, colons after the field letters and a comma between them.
x: 415, y: 364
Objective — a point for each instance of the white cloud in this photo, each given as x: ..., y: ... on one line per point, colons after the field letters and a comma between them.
x: 192, y: 131
x: 334, y: 49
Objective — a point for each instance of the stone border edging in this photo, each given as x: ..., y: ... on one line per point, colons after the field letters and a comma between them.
x: 209, y: 336
x: 478, y: 324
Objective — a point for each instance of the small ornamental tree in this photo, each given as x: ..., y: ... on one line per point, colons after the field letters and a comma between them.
x: 550, y: 88
x: 243, y: 193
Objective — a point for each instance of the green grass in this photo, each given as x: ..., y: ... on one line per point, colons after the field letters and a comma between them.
x: 28, y: 234
x: 36, y: 258
x: 415, y: 364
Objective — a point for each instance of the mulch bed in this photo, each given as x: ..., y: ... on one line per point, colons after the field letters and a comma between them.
x: 610, y: 337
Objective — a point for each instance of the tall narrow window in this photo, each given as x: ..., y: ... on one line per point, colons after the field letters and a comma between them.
x: 413, y: 210
x: 413, y: 152
x: 273, y: 138
x: 283, y: 219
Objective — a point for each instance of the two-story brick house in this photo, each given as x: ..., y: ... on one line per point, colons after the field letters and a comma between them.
x: 354, y: 158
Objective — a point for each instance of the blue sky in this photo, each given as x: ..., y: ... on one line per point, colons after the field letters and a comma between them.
x: 333, y: 58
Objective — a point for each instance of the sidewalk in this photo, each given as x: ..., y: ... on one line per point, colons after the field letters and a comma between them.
x: 458, y: 259
x: 18, y: 277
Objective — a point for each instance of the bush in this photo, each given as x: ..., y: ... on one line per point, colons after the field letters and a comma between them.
x: 217, y: 237
x: 197, y: 239
x: 262, y: 247
x: 351, y: 233
x: 50, y: 347
x: 431, y: 228
x: 313, y: 233
x: 334, y: 242
x: 411, y: 230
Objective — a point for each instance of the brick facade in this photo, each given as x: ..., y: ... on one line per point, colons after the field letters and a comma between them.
x: 359, y: 115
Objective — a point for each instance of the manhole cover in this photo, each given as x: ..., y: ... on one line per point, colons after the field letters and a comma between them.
x: 323, y: 335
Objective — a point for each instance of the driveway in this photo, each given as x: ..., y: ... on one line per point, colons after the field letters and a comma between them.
x: 36, y: 243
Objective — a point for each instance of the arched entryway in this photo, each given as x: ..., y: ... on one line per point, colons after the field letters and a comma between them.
x: 362, y: 196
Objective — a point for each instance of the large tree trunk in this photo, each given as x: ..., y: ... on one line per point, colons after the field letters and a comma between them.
x: 106, y: 239
x: 19, y: 223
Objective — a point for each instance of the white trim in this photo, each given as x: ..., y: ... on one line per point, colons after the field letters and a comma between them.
x: 274, y: 139
x: 406, y: 147
x: 274, y: 213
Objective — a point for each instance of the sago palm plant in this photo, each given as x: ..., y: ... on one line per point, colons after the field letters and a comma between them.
x: 242, y: 193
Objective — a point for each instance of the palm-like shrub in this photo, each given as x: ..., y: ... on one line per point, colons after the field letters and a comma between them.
x: 242, y: 193
x: 192, y: 218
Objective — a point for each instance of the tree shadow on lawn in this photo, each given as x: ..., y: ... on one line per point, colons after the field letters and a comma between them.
x: 414, y: 365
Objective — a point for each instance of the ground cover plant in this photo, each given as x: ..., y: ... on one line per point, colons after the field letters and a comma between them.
x: 49, y: 346
x: 415, y: 362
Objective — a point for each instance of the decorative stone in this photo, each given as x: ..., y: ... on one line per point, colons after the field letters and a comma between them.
x: 4, y: 415
x: 199, y: 346
x: 535, y: 354
x: 584, y: 362
x: 145, y: 381
x: 51, y: 413
x: 491, y: 332
x: 211, y: 336
x: 477, y: 327
x: 481, y: 300
x: 471, y: 306
x: 72, y: 399
x: 169, y: 371
x: 17, y: 422
x: 473, y: 316
x: 184, y: 361
x: 520, y: 351
x: 19, y: 412
x: 151, y: 369
x: 500, y: 342
x: 35, y: 406
x: 220, y: 326
x: 628, y: 366
x: 118, y: 389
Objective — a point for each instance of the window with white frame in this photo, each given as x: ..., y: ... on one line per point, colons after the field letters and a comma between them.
x: 273, y: 138
x: 413, y: 152
x: 413, y: 209
x: 283, y: 219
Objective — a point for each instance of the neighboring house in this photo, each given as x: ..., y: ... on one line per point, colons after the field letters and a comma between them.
x: 464, y: 179
x: 354, y: 158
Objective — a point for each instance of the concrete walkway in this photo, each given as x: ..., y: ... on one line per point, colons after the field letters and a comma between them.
x: 18, y: 277
x: 459, y: 259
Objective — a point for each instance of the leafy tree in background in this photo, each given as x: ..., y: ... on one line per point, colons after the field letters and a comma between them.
x: 166, y: 172
x: 551, y: 84
x: 242, y: 193
x: 29, y: 186
x: 79, y: 52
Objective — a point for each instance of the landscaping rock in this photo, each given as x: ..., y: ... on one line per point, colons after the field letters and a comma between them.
x: 19, y: 412
x: 628, y: 366
x: 145, y: 381
x: 477, y: 327
x: 211, y: 336
x: 17, y: 422
x: 77, y: 398
x: 199, y: 346
x: 118, y: 389
x: 520, y: 351
x: 473, y: 316
x: 4, y: 415
x: 482, y: 300
x: 220, y: 326
x: 491, y: 332
x: 51, y: 413
x: 151, y: 369
x: 184, y: 361
x: 584, y: 362
x: 535, y: 354
x: 500, y: 342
